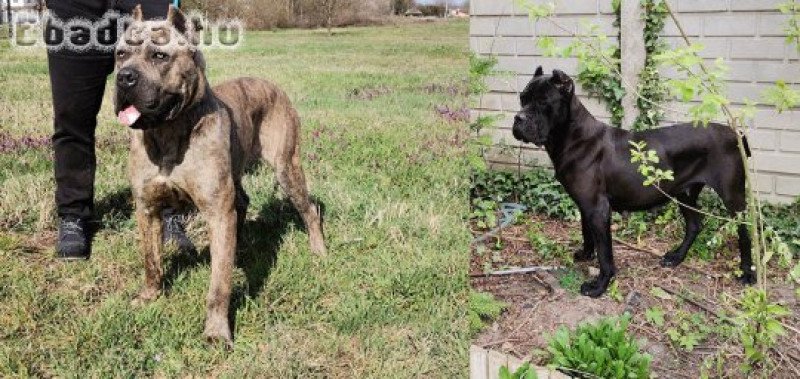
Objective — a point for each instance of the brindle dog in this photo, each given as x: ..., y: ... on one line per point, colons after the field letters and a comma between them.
x: 190, y: 144
x: 593, y: 163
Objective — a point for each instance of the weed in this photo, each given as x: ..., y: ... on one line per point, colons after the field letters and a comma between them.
x: 615, y: 293
x: 602, y: 349
x: 545, y: 246
x: 570, y: 279
x: 526, y: 371
x: 759, y: 326
x: 688, y: 330
x: 655, y: 316
x: 484, y: 213
x: 536, y: 188
x: 483, y: 307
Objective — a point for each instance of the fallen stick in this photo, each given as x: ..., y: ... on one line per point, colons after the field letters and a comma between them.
x: 634, y: 247
x: 514, y: 271
x: 696, y: 303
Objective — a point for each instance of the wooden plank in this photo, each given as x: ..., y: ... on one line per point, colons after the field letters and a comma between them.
x: 496, y: 361
x: 478, y: 363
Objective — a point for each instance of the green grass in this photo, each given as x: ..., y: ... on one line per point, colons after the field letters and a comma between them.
x: 391, y: 297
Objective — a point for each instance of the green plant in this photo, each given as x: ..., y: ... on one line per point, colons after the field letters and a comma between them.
x: 688, y: 330
x: 792, y: 27
x: 615, y: 293
x: 484, y: 212
x: 655, y: 316
x: 526, y: 371
x: 479, y: 69
x: 784, y: 220
x: 537, y: 189
x: 570, y: 279
x: 598, y: 65
x: 759, y: 326
x: 652, y: 91
x: 545, y: 246
x: 483, y: 307
x: 602, y: 349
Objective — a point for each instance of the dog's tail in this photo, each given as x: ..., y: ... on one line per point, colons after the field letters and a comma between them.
x: 746, y: 145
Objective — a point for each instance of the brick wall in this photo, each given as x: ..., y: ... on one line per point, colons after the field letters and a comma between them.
x: 748, y: 34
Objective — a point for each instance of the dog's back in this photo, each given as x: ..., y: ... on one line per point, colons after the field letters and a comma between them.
x: 271, y: 125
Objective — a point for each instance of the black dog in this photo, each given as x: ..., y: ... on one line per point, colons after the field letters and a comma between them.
x: 593, y: 162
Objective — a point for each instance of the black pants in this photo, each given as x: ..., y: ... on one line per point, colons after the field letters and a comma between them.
x: 78, y: 81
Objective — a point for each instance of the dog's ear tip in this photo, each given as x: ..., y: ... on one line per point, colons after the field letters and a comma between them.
x: 561, y: 76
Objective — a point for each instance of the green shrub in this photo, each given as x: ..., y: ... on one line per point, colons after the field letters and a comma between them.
x: 537, y: 189
x: 786, y: 222
x: 602, y: 349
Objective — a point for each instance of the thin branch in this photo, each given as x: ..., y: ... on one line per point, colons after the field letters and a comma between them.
x: 513, y: 271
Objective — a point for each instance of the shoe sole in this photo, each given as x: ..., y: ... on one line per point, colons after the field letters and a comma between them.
x: 71, y: 259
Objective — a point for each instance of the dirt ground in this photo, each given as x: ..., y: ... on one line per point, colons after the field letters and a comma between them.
x: 538, y: 305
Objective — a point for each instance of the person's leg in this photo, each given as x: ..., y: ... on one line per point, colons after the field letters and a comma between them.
x: 77, y: 84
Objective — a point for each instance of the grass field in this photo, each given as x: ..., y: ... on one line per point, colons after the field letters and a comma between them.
x: 390, y: 298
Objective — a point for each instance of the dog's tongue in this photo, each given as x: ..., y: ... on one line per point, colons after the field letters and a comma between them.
x: 128, y: 116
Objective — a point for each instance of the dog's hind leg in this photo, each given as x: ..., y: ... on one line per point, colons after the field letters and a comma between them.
x: 694, y: 223
x: 600, y: 225
x: 732, y: 192
x: 280, y: 147
x: 292, y: 180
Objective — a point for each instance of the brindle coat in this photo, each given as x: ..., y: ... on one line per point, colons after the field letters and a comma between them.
x: 192, y: 143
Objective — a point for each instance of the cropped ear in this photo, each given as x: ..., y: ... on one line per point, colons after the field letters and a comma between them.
x: 177, y: 19
x: 137, y: 13
x: 539, y: 72
x: 563, y: 82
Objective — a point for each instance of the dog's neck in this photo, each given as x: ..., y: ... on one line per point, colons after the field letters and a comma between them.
x: 580, y: 124
x: 166, y: 144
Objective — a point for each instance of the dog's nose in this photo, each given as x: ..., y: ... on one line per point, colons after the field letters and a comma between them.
x: 517, y: 133
x: 519, y: 118
x: 127, y: 78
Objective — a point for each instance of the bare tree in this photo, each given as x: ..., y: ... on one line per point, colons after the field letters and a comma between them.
x: 330, y: 9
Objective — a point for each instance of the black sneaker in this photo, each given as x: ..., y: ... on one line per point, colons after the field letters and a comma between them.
x: 174, y: 232
x: 73, y: 239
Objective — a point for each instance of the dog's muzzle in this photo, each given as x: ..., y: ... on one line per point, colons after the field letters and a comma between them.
x: 516, y: 130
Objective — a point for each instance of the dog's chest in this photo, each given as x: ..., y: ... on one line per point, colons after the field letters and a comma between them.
x: 159, y: 190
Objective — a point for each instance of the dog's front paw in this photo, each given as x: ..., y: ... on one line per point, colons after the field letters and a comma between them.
x: 594, y: 288
x: 748, y: 278
x: 217, y: 331
x: 583, y: 255
x: 672, y: 259
x: 145, y: 296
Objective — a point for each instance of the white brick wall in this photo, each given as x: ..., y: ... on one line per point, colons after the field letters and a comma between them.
x: 748, y: 34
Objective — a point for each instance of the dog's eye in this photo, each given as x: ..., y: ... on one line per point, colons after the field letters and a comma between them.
x: 121, y: 54
x: 159, y: 56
